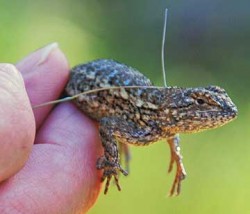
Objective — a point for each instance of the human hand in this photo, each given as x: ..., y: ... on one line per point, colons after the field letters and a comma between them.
x: 54, y: 169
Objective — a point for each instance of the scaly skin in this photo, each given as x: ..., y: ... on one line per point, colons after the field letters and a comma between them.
x: 145, y: 114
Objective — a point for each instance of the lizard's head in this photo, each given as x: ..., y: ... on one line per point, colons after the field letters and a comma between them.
x: 197, y: 109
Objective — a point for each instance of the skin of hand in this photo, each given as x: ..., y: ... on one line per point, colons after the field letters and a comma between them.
x: 48, y: 155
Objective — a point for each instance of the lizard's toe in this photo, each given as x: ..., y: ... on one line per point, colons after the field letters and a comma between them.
x: 110, y: 169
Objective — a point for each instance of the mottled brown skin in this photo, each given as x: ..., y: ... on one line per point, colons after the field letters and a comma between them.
x: 138, y: 113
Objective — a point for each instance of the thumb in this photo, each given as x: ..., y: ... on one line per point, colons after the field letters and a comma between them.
x: 17, y: 124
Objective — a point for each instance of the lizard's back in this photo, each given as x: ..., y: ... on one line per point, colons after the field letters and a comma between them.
x: 104, y: 73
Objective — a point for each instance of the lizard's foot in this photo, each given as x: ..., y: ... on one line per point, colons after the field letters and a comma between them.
x: 110, y: 169
x: 180, y: 170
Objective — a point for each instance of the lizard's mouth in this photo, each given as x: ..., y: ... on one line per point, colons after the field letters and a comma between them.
x: 230, y: 113
x: 204, y: 120
x: 227, y: 114
x: 233, y: 112
x: 224, y: 117
x: 230, y: 110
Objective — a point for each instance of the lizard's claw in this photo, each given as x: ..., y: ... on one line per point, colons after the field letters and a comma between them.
x: 179, y: 176
x: 110, y: 169
x: 180, y: 170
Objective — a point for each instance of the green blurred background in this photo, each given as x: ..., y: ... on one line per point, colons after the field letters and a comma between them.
x: 208, y: 42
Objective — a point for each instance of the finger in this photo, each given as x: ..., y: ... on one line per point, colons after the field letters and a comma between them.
x: 45, y: 74
x: 61, y: 175
x: 17, y: 125
x: 67, y: 127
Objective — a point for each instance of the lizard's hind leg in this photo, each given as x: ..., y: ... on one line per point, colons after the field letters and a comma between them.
x: 174, y: 144
x: 125, y: 155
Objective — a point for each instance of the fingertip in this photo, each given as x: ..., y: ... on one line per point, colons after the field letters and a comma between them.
x: 37, y: 57
x: 45, y: 72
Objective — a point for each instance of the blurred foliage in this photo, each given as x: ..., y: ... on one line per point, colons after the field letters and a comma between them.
x: 207, y: 43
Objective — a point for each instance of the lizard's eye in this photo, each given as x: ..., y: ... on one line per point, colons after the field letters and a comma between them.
x: 200, y: 101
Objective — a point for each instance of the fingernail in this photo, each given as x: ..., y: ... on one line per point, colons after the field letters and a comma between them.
x: 45, y: 52
x: 36, y: 58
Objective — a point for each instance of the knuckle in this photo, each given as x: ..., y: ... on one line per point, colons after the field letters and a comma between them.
x: 7, y: 67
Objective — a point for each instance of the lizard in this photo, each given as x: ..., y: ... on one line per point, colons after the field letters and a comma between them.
x: 132, y: 111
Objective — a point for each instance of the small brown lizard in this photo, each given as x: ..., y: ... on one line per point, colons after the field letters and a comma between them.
x: 130, y: 110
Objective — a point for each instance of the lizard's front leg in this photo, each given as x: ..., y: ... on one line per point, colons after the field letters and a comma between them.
x: 176, y: 157
x: 128, y: 132
x: 109, y: 162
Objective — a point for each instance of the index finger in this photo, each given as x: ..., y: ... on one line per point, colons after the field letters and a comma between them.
x: 45, y: 74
